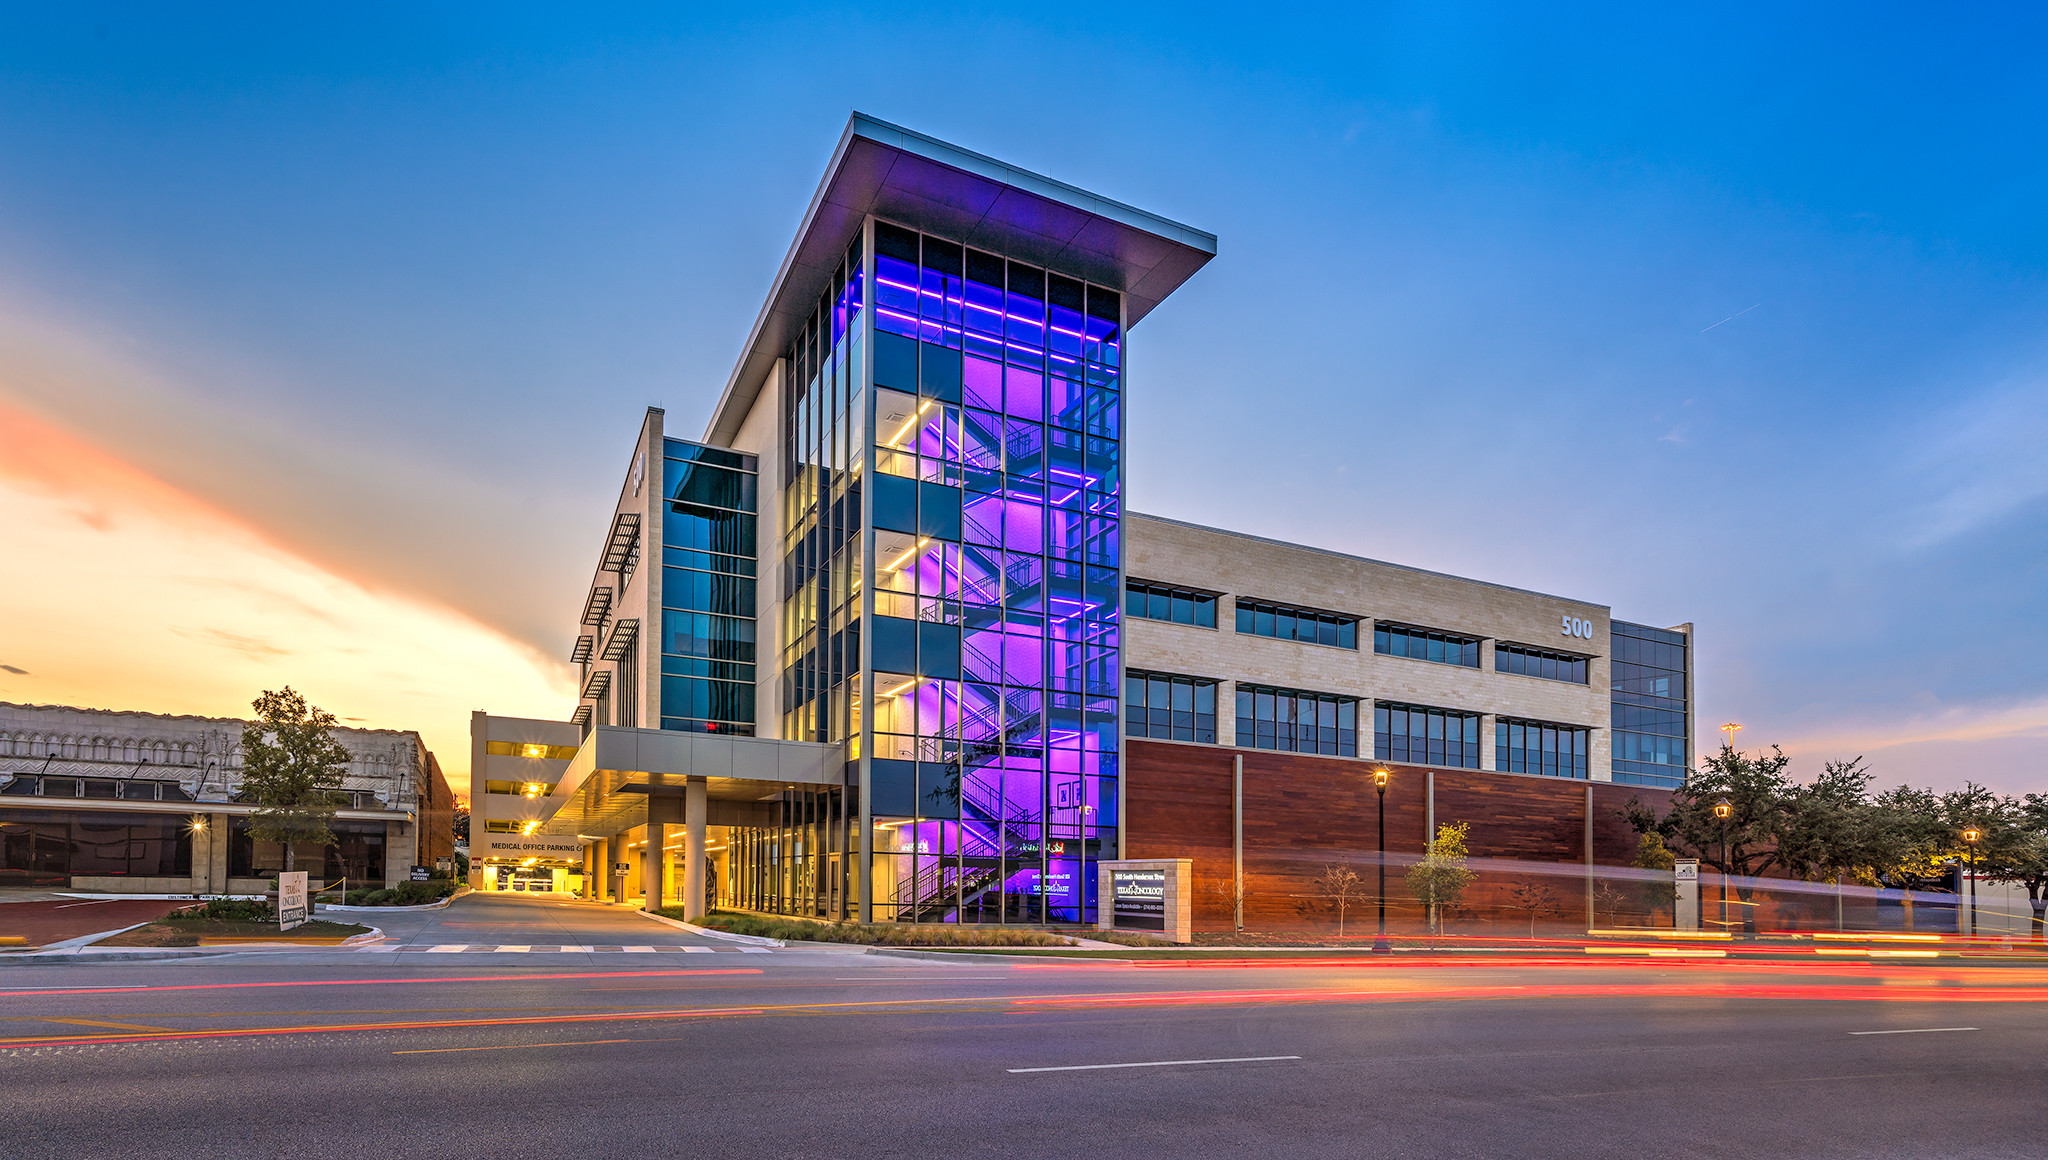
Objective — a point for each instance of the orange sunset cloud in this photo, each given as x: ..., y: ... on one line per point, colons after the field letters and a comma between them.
x: 123, y: 592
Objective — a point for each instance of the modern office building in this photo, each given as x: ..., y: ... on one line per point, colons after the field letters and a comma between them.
x: 149, y: 802
x: 870, y: 645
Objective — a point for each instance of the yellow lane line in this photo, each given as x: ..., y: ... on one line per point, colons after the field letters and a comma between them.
x: 99, y: 1023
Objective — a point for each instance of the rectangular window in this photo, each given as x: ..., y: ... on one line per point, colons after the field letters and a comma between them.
x: 1285, y: 622
x: 1424, y: 644
x: 1538, y: 662
x: 1169, y: 707
x: 1542, y: 747
x: 1422, y: 735
x: 1296, y: 721
x: 1151, y: 601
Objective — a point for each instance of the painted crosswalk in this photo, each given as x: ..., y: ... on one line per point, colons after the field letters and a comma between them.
x: 521, y: 949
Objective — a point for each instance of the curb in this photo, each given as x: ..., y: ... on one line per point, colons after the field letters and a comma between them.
x: 139, y: 955
x: 693, y: 928
x: 975, y: 953
x: 441, y: 905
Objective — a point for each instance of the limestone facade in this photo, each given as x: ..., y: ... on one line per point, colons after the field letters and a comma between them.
x: 1239, y: 566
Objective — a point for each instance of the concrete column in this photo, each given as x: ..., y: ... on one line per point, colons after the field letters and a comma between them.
x: 603, y: 850
x: 696, y: 809
x: 653, y: 868
x: 589, y: 864
x: 220, y: 832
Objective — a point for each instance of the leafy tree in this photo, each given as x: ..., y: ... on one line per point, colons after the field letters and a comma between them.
x: 459, y: 824
x: 1648, y: 894
x: 291, y: 768
x: 1832, y: 827
x: 1440, y: 879
x: 2011, y: 848
x: 1745, y: 845
x: 2031, y: 871
x: 1917, y: 838
x: 1342, y: 887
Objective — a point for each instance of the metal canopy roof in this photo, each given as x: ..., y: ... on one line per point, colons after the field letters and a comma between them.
x: 920, y: 181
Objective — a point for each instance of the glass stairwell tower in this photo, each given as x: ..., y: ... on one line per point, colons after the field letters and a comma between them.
x: 949, y: 389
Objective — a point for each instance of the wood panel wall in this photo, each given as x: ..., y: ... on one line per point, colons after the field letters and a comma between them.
x: 1302, y: 814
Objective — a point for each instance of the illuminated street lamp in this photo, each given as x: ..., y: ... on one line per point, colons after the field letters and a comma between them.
x: 1971, y: 837
x: 1379, y: 785
x: 1729, y: 731
x: 1721, y: 810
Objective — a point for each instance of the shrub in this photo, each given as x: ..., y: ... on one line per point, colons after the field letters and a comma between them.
x: 225, y: 910
x: 406, y: 894
x: 884, y: 934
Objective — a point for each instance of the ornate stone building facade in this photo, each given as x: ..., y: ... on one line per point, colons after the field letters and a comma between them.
x: 100, y: 799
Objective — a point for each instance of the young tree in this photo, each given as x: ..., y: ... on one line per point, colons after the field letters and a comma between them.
x: 1231, y: 896
x: 291, y: 768
x: 1534, y: 895
x: 1651, y: 854
x: 1342, y: 887
x: 1439, y: 880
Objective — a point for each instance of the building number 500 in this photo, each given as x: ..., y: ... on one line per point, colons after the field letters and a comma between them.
x: 1573, y: 626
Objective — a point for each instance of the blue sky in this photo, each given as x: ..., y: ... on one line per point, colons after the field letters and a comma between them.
x: 1719, y: 315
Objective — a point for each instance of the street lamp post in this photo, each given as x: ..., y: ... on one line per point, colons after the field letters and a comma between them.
x: 1721, y: 810
x: 1379, y: 783
x: 1970, y: 839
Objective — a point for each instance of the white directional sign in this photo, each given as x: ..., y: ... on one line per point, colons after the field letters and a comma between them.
x: 291, y: 899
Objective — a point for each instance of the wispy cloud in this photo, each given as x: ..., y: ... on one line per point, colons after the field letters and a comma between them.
x: 150, y: 632
x: 1977, y: 461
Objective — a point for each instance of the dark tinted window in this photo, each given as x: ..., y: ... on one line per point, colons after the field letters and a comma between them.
x: 1258, y: 618
x: 1179, y: 605
x: 1537, y: 662
x: 1425, y: 736
x: 1296, y: 721
x: 1169, y: 707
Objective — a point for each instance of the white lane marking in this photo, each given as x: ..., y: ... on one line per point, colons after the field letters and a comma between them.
x: 502, y: 950
x: 386, y: 948
x: 1913, y: 1031
x: 1153, y: 1063
x: 756, y: 951
x: 638, y: 950
x: 94, y: 902
x: 567, y: 949
x: 695, y: 950
x: 448, y: 948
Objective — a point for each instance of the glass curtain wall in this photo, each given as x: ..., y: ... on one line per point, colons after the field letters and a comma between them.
x: 825, y: 406
x: 995, y: 497
x: 707, y: 591
x: 1649, y: 704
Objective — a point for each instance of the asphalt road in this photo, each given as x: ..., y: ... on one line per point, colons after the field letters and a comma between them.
x: 799, y: 1053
